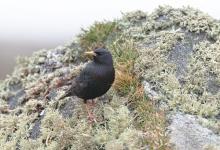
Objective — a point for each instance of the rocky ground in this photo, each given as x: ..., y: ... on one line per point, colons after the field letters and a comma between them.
x: 166, y: 94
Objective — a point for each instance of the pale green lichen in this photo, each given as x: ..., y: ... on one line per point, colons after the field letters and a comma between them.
x: 202, y: 81
x: 211, y: 147
x: 37, y: 122
x: 190, y: 84
x: 147, y: 44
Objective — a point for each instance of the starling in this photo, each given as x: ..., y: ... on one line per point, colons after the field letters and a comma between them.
x: 95, y: 79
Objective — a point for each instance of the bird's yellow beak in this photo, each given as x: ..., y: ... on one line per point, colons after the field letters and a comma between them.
x: 90, y: 54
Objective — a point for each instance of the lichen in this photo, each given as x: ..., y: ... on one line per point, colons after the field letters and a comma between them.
x: 174, y: 51
x: 39, y: 121
x: 179, y: 59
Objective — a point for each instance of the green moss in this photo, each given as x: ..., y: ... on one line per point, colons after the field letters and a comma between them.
x: 141, y: 45
x: 55, y: 128
x: 126, y: 53
x: 96, y: 35
x: 127, y: 84
x: 196, y: 90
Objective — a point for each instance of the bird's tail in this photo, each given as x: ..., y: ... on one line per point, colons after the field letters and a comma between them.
x: 70, y: 91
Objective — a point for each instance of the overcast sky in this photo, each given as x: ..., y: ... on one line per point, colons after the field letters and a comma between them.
x: 60, y: 19
x: 28, y: 25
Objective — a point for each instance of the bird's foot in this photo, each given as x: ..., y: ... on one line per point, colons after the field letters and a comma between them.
x: 92, y: 103
x: 92, y: 118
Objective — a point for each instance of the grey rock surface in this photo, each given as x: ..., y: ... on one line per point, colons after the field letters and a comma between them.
x: 187, y: 134
x: 185, y: 131
x: 178, y: 62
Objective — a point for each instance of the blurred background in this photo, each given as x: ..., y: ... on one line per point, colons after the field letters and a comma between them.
x: 28, y: 25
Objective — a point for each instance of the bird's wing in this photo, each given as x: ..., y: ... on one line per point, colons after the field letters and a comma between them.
x: 79, y: 84
x: 82, y: 81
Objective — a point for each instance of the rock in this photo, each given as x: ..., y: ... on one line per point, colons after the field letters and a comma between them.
x: 68, y: 108
x: 187, y: 134
x: 178, y: 64
x: 35, y: 131
x: 15, y: 100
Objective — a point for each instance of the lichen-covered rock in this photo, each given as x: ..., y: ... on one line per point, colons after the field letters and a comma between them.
x: 187, y: 133
x: 178, y: 61
x: 174, y: 53
x: 33, y: 117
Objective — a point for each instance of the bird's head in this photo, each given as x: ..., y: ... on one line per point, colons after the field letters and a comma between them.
x: 100, y: 56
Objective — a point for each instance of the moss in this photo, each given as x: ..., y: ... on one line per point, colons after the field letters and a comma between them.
x: 118, y: 124
x: 151, y: 120
x: 97, y: 34
x: 41, y: 74
x: 124, y: 53
x: 128, y: 83
x: 196, y: 89
x: 202, y: 69
x: 13, y: 129
x: 211, y: 147
x: 144, y: 47
x: 210, y: 123
x: 18, y: 122
x: 55, y: 128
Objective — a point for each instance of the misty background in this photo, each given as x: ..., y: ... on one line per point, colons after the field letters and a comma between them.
x: 27, y: 25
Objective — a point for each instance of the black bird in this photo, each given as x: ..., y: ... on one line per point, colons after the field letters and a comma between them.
x: 95, y: 79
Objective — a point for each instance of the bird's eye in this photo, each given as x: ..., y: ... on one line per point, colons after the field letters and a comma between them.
x: 98, y: 53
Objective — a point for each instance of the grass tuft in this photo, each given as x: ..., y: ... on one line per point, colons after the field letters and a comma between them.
x: 124, y: 54
x: 96, y: 35
x: 146, y: 116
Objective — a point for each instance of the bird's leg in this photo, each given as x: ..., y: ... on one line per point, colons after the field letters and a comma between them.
x: 93, y: 102
x: 90, y: 114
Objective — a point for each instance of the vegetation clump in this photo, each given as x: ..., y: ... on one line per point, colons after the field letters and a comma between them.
x: 172, y: 54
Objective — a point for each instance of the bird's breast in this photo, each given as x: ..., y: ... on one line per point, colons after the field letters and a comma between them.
x: 100, y: 79
x: 104, y: 74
